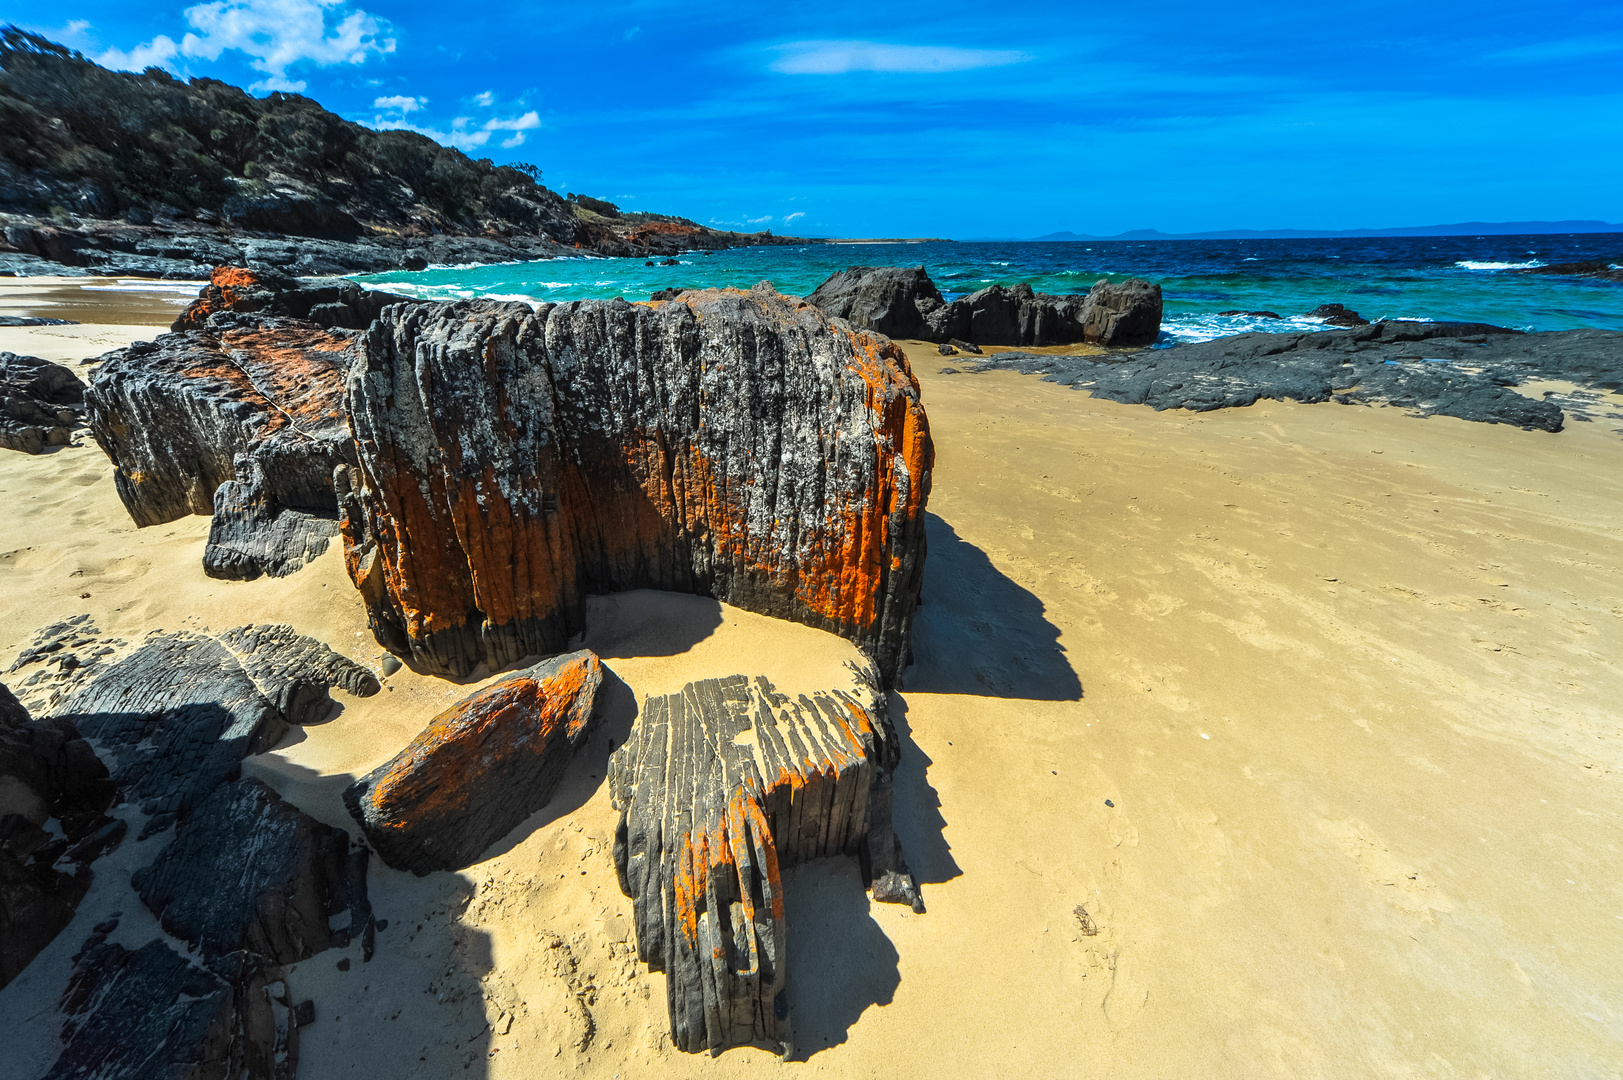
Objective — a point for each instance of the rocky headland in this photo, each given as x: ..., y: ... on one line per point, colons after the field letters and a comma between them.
x: 144, y: 175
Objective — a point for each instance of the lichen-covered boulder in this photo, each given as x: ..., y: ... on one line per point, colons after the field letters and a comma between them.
x: 740, y: 445
x: 719, y: 788
x: 247, y: 291
x: 479, y: 768
x: 256, y: 410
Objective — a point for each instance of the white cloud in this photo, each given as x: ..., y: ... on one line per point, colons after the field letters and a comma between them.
x: 527, y: 122
x: 274, y: 34
x: 793, y: 216
x: 840, y: 57
x: 464, y: 133
x: 460, y: 135
x: 485, y: 100
x: 758, y: 220
x: 400, y: 103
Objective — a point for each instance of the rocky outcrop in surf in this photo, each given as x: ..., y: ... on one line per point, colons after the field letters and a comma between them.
x: 1464, y: 370
x: 41, y: 403
x: 341, y: 305
x: 903, y: 302
x: 510, y: 461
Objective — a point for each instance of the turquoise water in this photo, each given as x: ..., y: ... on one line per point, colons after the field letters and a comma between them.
x: 1462, y: 278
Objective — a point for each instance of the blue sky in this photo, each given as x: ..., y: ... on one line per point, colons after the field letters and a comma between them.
x: 956, y: 119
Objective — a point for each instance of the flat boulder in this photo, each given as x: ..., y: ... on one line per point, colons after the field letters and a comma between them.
x: 479, y: 768
x: 247, y: 870
x: 720, y: 788
x: 41, y: 403
x: 150, y: 1012
x: 739, y: 445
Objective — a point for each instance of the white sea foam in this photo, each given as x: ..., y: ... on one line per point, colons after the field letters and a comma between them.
x: 1189, y: 329
x: 1471, y: 264
x: 187, y: 288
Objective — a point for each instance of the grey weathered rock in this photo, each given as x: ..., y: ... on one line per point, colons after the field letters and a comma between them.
x: 720, y: 788
x: 479, y: 768
x: 889, y: 300
x: 36, y: 902
x: 294, y: 671
x: 41, y: 403
x: 903, y: 302
x: 1463, y: 370
x: 247, y: 870
x: 259, y: 407
x: 329, y: 304
x: 513, y: 460
x: 175, y: 717
x: 150, y: 1013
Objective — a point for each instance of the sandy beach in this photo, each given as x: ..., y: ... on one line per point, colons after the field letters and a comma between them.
x: 1312, y: 711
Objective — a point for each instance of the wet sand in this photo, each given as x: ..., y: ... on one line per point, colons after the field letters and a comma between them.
x: 1348, y: 679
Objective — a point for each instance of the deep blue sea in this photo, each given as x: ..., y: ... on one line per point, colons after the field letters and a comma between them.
x: 1464, y: 278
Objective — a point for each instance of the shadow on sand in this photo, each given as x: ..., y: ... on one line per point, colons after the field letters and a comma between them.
x: 977, y: 632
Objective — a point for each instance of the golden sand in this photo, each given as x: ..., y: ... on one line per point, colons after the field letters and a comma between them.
x: 1350, y: 680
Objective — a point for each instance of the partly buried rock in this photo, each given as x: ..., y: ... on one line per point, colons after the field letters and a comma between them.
x: 295, y: 672
x: 903, y: 302
x: 331, y: 304
x: 732, y: 444
x: 247, y: 870
x: 720, y: 788
x: 175, y: 717
x: 41, y: 403
x: 150, y: 1013
x: 479, y: 768
x: 245, y: 424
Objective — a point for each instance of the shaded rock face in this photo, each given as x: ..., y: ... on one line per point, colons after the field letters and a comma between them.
x: 479, y: 768
x: 174, y: 718
x: 889, y: 300
x: 332, y: 305
x: 1464, y: 370
x: 737, y: 445
x: 46, y: 772
x: 720, y: 788
x: 249, y: 871
x: 246, y: 423
x: 151, y: 1013
x: 903, y: 302
x: 41, y: 403
x: 1337, y: 315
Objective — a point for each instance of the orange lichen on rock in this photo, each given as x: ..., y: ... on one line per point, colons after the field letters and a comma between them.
x: 719, y: 787
x: 735, y: 444
x: 479, y: 768
x: 226, y: 288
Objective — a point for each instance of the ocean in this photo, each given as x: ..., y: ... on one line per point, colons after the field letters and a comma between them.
x: 1471, y: 279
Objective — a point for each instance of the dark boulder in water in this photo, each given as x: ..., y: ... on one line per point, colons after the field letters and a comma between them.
x: 1337, y: 315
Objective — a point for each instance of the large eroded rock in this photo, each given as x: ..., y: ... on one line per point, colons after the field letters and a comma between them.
x: 41, y: 403
x: 245, y: 424
x: 720, y: 788
x: 479, y: 768
x: 740, y: 445
x: 330, y: 303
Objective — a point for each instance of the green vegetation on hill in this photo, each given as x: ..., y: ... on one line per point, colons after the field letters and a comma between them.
x: 78, y: 139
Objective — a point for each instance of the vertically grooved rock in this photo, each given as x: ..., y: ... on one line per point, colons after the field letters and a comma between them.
x: 150, y: 1013
x: 738, y: 445
x: 256, y: 409
x: 479, y: 768
x: 720, y: 788
x: 889, y: 300
x: 41, y: 403
x: 247, y: 870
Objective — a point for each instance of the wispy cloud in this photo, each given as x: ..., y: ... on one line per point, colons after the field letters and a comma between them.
x: 400, y: 103
x: 484, y: 99
x: 1565, y: 49
x: 274, y: 34
x: 841, y: 57
x: 792, y: 217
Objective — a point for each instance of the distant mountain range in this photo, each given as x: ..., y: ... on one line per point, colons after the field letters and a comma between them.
x: 1463, y: 228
